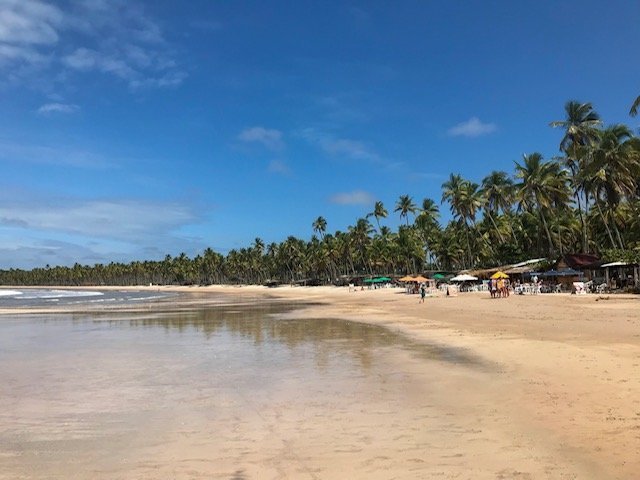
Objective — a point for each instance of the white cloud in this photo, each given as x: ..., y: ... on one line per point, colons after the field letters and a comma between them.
x: 81, y: 59
x: 55, y: 107
x: 472, y: 128
x: 124, y: 220
x: 52, y: 155
x: 171, y: 79
x: 345, y: 147
x: 357, y: 197
x: 10, y: 54
x: 278, y: 166
x: 270, y: 138
x: 113, y: 37
x: 29, y: 22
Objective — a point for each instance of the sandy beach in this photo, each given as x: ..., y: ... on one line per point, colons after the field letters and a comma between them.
x: 555, y: 392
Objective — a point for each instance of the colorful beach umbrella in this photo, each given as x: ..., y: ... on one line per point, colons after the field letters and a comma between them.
x: 464, y: 277
x: 499, y: 275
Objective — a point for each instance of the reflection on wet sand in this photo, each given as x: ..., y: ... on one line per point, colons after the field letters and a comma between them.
x: 233, y: 393
x: 264, y: 324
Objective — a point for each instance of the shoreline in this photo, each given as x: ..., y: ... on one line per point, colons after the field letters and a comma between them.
x: 564, y: 367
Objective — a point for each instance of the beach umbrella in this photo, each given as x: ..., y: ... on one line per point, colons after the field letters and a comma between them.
x: 406, y: 278
x: 499, y: 275
x: 567, y: 272
x: 464, y: 277
x: 438, y: 276
x: 420, y: 279
x: 383, y: 279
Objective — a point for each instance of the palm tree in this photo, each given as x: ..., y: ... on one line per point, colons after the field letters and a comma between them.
x: 378, y: 212
x: 451, y: 191
x: 580, y: 125
x: 427, y: 224
x: 497, y: 190
x: 405, y: 206
x: 429, y: 211
x: 465, y: 200
x: 615, y: 169
x: 543, y: 186
x: 581, y: 130
x: 320, y: 226
x: 359, y: 237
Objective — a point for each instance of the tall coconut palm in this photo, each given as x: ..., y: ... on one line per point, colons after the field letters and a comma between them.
x: 497, y: 190
x: 405, y: 206
x: 542, y: 184
x: 451, y: 192
x: 359, y: 239
x: 580, y: 125
x: 580, y: 130
x: 429, y: 211
x: 615, y: 169
x: 465, y: 200
x: 320, y: 226
x: 427, y: 224
x: 378, y: 212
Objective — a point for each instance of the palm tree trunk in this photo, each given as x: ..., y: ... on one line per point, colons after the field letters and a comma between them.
x: 617, y: 230
x: 583, y: 222
x: 493, y: 222
x: 468, y: 231
x: 548, y: 232
x: 606, y: 224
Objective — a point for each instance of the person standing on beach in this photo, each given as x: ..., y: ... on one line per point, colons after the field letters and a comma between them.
x: 423, y: 292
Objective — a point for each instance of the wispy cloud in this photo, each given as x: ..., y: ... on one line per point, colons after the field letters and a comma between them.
x: 269, y: 138
x: 125, y: 220
x: 357, y: 197
x: 344, y: 147
x: 49, y: 108
x: 52, y: 155
x: 29, y: 22
x: 113, y: 37
x: 472, y: 128
x: 278, y: 166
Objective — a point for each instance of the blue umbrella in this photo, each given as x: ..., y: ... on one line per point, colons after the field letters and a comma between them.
x: 567, y: 272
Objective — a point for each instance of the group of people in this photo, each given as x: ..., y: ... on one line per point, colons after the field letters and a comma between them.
x: 499, y: 287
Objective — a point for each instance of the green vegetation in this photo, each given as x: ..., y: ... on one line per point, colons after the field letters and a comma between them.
x: 585, y: 200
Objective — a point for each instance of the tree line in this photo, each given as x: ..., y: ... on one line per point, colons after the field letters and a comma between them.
x: 585, y: 199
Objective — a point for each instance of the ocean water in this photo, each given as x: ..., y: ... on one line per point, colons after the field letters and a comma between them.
x: 39, y: 297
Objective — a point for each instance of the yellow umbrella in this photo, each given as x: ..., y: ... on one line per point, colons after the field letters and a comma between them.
x: 499, y: 275
x: 408, y: 278
x: 420, y: 279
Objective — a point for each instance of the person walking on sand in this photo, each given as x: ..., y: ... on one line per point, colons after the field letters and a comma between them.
x: 423, y: 292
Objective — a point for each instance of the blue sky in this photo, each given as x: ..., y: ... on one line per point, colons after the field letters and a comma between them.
x: 131, y: 129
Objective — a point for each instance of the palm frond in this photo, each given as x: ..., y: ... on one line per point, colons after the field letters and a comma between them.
x: 634, y: 108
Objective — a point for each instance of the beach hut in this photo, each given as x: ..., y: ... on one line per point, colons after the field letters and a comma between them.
x: 623, y: 276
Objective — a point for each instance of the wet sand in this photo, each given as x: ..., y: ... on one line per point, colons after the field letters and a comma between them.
x: 526, y: 387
